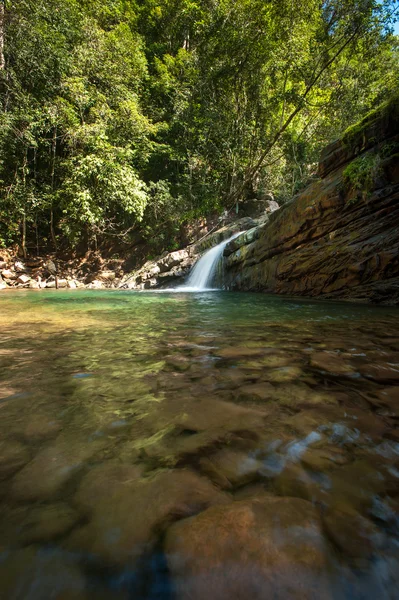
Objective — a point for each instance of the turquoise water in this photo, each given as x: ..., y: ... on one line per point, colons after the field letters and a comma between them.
x: 138, y: 428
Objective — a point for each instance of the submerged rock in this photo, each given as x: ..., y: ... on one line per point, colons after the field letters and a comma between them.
x: 44, y: 477
x: 381, y: 372
x: 231, y: 467
x: 34, y: 574
x: 389, y: 397
x: 41, y: 427
x: 47, y: 522
x: 352, y: 533
x: 255, y: 392
x: 13, y: 456
x: 264, y: 548
x: 330, y: 362
x: 102, y: 481
x: 195, y: 426
x: 126, y: 523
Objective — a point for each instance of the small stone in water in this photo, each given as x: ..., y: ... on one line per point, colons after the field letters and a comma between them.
x: 324, y: 459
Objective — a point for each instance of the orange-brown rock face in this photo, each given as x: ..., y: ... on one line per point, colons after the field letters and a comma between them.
x: 331, y: 240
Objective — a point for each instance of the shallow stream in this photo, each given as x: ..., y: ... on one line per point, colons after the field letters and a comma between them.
x: 190, y: 446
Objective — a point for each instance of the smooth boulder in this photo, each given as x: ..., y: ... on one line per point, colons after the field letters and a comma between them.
x: 260, y: 549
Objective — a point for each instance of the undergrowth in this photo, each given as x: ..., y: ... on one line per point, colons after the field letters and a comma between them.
x: 362, y: 172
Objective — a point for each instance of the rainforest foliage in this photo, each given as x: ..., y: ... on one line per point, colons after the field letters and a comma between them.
x: 127, y: 117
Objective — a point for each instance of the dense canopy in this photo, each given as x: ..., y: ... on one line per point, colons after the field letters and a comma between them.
x: 123, y: 117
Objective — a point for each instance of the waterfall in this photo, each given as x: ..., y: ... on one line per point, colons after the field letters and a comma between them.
x: 201, y: 276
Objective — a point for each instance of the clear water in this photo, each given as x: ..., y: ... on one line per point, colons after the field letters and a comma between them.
x: 132, y: 425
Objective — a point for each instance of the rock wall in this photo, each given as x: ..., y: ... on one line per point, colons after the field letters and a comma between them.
x: 339, y: 238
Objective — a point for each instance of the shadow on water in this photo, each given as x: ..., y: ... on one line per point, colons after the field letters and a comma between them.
x: 184, y: 445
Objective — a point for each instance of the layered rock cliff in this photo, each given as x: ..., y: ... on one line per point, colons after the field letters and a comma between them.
x: 339, y: 238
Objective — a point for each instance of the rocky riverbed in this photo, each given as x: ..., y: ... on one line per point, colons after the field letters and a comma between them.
x: 178, y: 446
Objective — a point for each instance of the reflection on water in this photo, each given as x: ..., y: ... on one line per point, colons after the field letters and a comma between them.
x: 192, y: 446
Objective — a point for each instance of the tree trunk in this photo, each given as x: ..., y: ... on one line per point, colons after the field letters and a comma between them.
x: 2, y: 59
x: 37, y: 237
x: 53, y: 238
x: 24, y: 235
x: 23, y: 241
x: 53, y: 155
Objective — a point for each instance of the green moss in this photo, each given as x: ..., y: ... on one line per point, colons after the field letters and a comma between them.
x: 389, y: 150
x: 362, y: 172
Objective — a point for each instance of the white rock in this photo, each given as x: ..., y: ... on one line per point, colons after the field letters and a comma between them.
x: 8, y: 274
x: 3, y: 285
x: 154, y: 271
x: 23, y: 279
x: 79, y: 284
x: 19, y: 267
x: 34, y: 285
x: 42, y: 285
x: 96, y: 285
x: 108, y: 275
x: 71, y: 284
x: 50, y: 284
x: 62, y: 283
x: 172, y: 260
x: 150, y: 283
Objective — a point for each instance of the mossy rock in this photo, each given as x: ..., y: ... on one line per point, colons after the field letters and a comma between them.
x: 378, y: 121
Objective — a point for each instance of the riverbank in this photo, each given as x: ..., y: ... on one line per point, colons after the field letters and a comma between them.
x: 93, y: 271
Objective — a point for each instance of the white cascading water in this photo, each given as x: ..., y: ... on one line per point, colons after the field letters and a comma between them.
x: 200, y: 278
